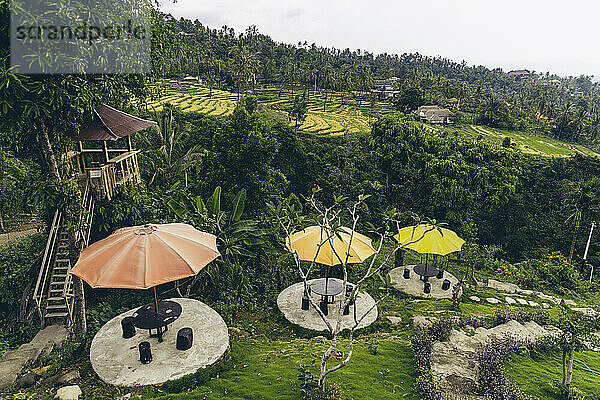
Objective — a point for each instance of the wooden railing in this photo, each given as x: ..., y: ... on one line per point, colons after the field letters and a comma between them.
x: 47, y: 262
x: 82, y: 236
x: 118, y: 170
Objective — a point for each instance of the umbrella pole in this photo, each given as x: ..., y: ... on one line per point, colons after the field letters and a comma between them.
x: 326, y: 277
x: 158, y: 329
x: 155, y: 301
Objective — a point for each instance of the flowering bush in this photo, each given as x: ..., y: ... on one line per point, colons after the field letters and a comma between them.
x: 492, y: 380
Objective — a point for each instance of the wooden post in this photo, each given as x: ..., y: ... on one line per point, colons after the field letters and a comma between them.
x: 105, y: 147
x: 129, y: 146
x: 80, y: 159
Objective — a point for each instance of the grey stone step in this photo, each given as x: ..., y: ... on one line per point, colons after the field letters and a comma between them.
x: 57, y: 298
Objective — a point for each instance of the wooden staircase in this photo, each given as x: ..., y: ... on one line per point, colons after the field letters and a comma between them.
x: 53, y: 293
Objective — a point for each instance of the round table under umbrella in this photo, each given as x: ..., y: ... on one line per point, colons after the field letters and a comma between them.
x: 143, y: 257
x: 305, y: 244
x: 429, y: 239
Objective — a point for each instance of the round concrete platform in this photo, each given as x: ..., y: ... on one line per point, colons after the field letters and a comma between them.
x: 414, y: 285
x: 116, y: 360
x: 289, y: 302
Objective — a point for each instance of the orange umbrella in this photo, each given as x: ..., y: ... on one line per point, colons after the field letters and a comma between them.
x: 142, y: 257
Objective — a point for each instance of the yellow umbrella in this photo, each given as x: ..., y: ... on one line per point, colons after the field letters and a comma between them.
x: 434, y: 240
x: 306, y: 243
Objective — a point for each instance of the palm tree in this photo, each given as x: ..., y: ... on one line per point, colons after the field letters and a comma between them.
x: 245, y: 65
x: 166, y: 151
x: 582, y: 201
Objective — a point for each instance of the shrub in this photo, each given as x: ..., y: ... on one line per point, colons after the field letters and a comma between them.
x: 16, y: 260
x: 552, y: 271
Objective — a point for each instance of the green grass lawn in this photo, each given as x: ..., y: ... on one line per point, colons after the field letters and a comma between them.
x: 381, y: 368
x: 534, y: 373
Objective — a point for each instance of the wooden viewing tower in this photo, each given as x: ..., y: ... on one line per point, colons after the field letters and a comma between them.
x: 99, y: 170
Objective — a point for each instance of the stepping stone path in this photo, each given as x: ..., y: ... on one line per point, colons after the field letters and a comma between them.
x: 512, y: 288
x: 522, y: 301
x: 475, y: 299
x: 510, y: 300
x: 13, y: 361
x: 453, y: 362
x: 503, y: 286
x: 545, y: 305
x: 492, y: 300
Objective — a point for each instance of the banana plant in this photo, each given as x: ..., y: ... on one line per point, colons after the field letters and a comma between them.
x: 237, y: 239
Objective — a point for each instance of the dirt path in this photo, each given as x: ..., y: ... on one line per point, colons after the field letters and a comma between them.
x: 10, y: 236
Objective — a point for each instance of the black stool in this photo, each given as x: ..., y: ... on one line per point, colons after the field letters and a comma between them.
x: 427, y: 288
x: 406, y: 273
x: 305, y: 302
x: 145, y: 352
x: 128, y: 327
x: 347, y: 309
x: 323, y: 306
x: 185, y: 337
x: 440, y: 274
x: 446, y: 284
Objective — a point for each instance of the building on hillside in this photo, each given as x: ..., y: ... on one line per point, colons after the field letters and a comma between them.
x: 386, y: 89
x: 434, y: 115
x: 520, y: 73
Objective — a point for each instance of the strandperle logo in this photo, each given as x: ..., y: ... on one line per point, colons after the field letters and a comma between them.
x: 99, y: 37
x: 84, y: 32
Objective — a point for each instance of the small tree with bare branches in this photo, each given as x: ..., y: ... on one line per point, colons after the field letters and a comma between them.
x: 289, y: 219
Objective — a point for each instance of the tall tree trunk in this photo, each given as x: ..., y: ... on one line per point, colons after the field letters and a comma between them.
x: 47, y: 153
x: 570, y: 367
x: 1, y: 223
x: 80, y: 322
x: 575, y: 234
x: 79, y: 319
x: 564, y: 367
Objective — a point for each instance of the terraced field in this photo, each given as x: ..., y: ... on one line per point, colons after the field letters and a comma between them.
x: 344, y: 112
x: 526, y: 142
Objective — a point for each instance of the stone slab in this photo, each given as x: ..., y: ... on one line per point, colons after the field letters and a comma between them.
x: 453, y: 362
x: 521, y: 301
x: 13, y: 361
x: 414, y: 286
x: 492, y: 300
x: 510, y: 300
x: 116, y: 360
x: 69, y: 393
x: 503, y: 286
x: 289, y: 302
x: 475, y: 299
